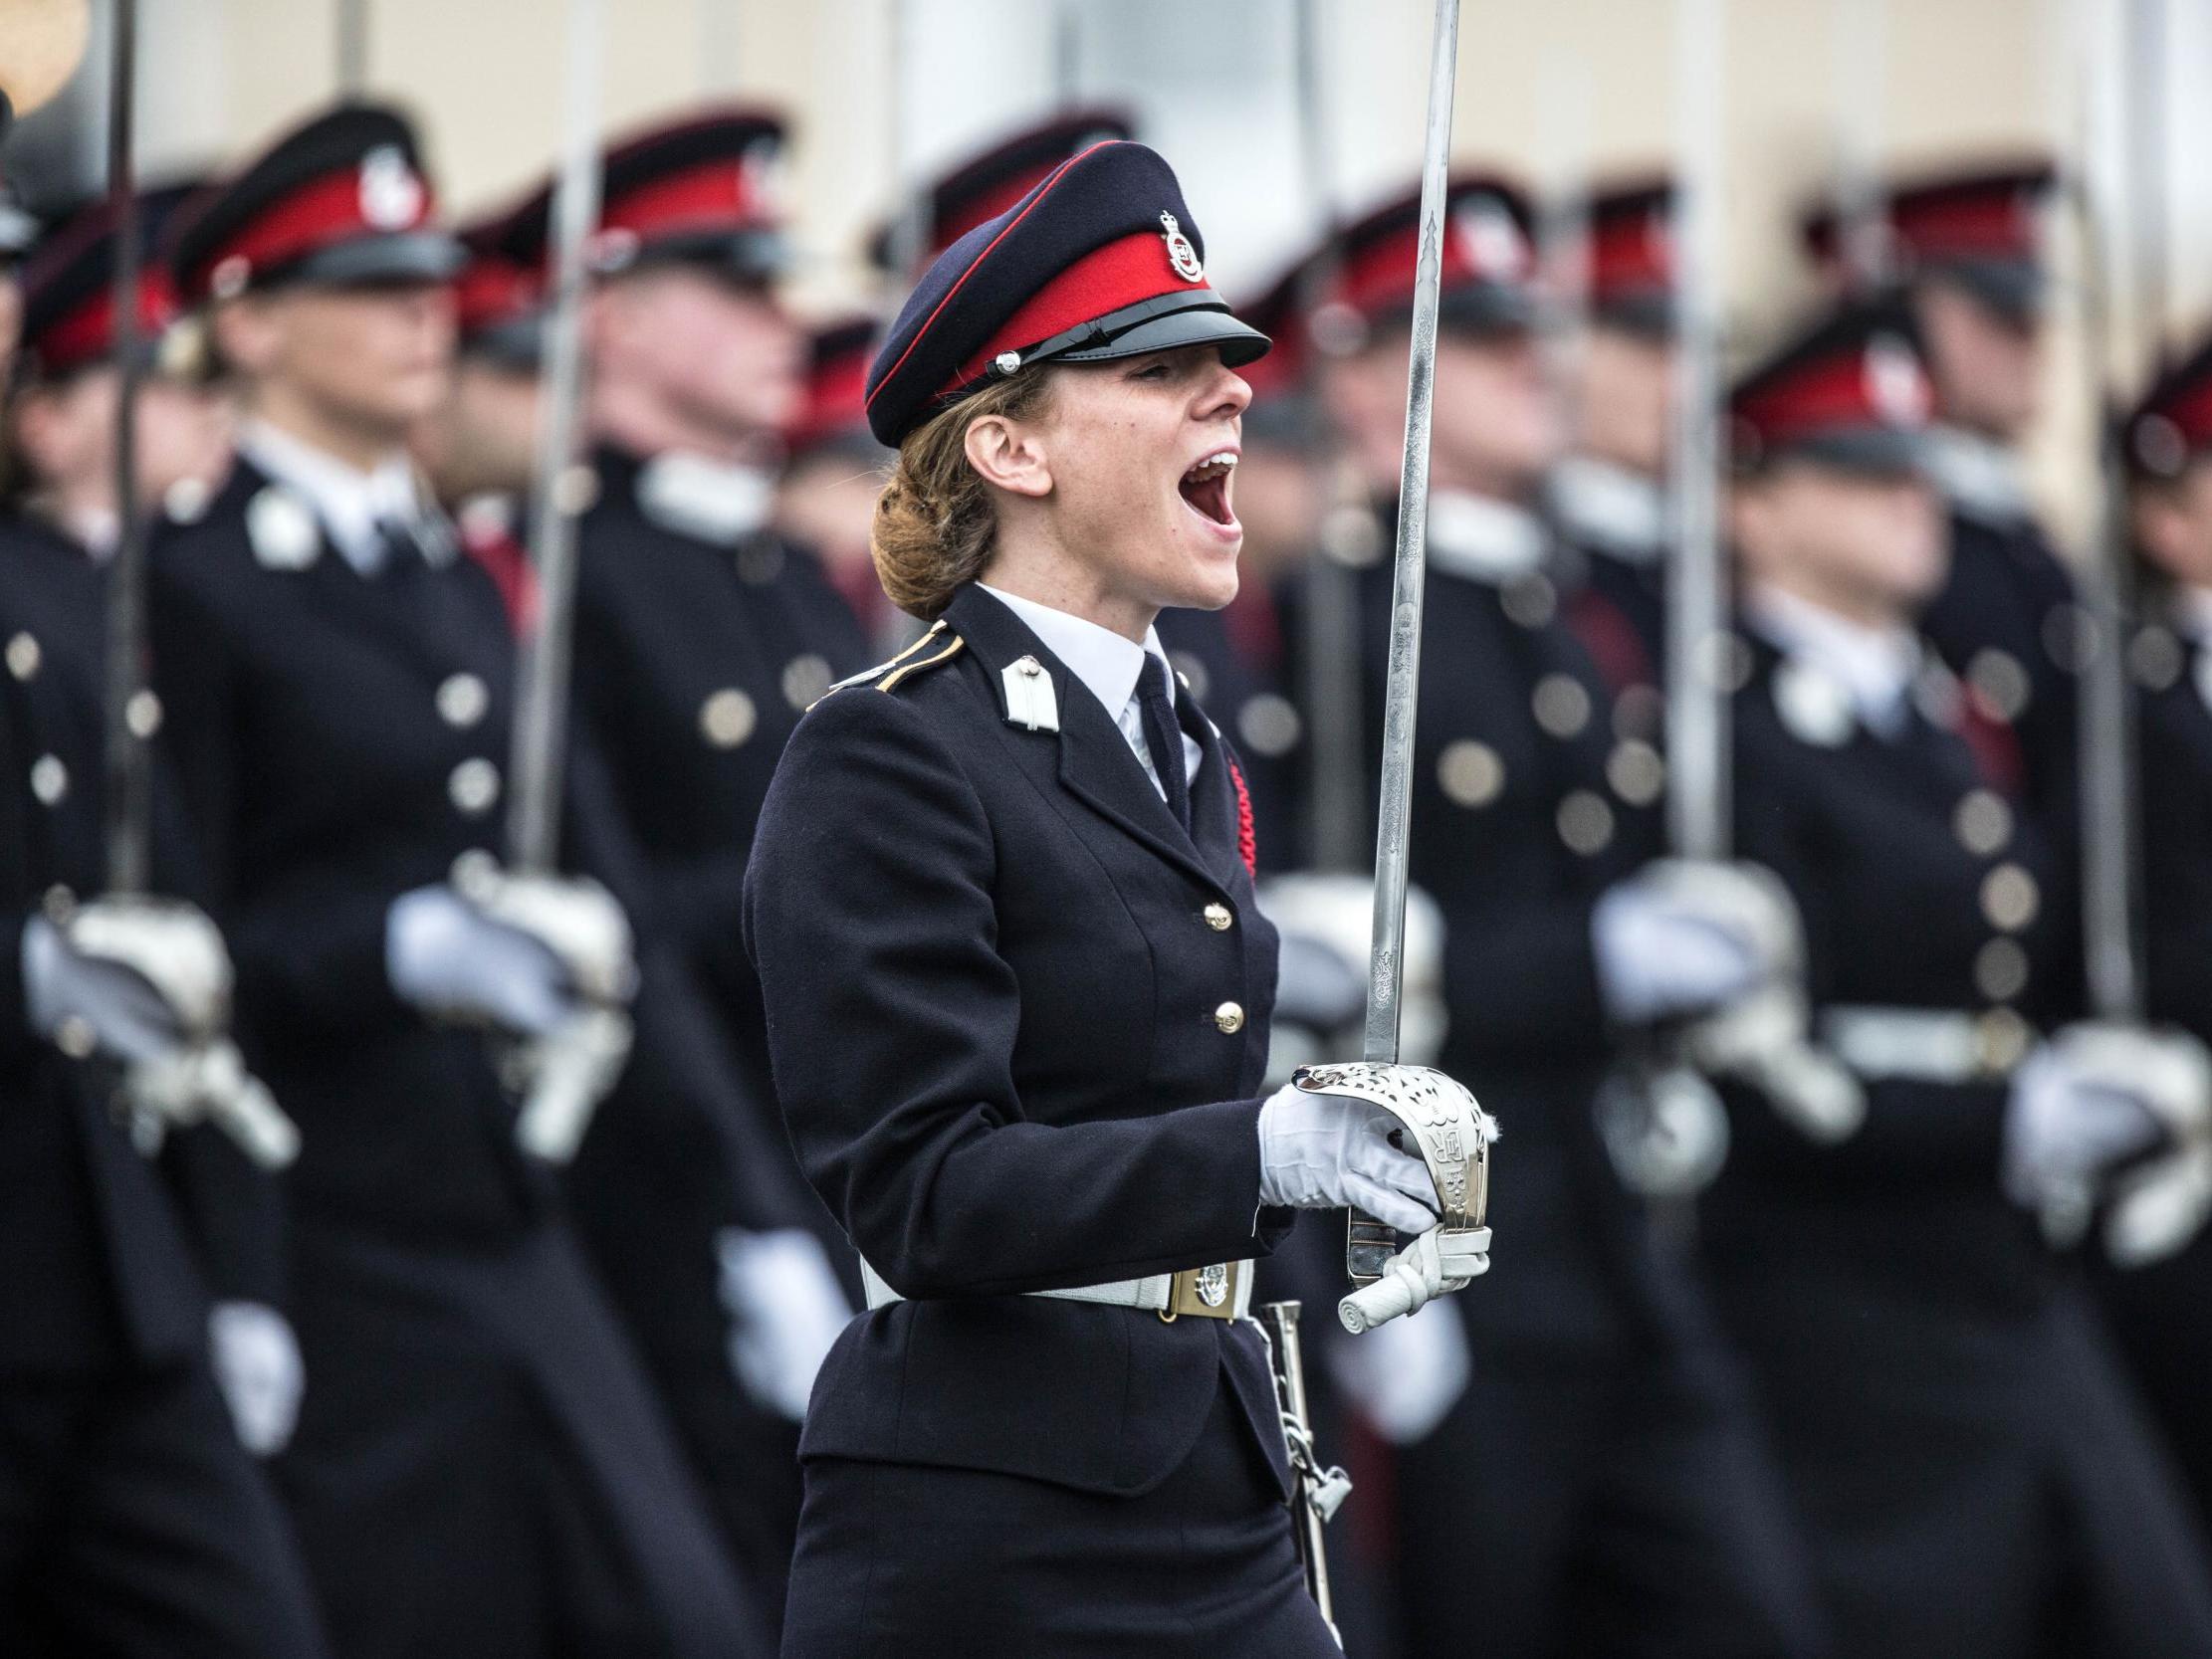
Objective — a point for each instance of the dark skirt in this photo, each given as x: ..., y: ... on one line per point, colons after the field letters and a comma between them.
x: 916, y: 1561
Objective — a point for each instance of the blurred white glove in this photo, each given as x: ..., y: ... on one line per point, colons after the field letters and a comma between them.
x: 127, y: 977
x: 2092, y: 1096
x: 1407, y: 1374
x: 786, y: 1309
x: 520, y: 953
x: 1682, y: 937
x: 1326, y: 1151
x: 257, y: 1367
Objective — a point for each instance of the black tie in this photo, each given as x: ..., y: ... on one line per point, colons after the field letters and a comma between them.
x: 1163, y: 738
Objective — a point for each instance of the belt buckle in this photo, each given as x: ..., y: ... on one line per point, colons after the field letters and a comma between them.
x: 1203, y: 1292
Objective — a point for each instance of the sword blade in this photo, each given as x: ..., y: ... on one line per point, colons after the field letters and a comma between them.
x: 1409, y: 567
x: 560, y: 486
x: 129, y: 803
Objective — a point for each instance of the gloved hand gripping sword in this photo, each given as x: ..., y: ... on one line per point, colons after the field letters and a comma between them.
x: 1438, y: 1118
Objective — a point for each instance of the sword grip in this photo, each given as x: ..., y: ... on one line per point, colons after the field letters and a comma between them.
x: 1369, y: 1245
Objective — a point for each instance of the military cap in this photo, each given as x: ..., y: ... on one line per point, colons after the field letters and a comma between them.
x: 1282, y: 407
x: 1101, y: 260
x: 1489, y: 263
x: 1982, y: 227
x: 1850, y: 391
x: 987, y: 184
x: 1630, y: 261
x: 340, y: 200
x: 836, y: 410
x: 68, y: 284
x: 2172, y: 425
x: 499, y: 303
x: 701, y: 191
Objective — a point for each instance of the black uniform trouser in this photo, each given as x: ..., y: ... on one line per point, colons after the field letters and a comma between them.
x: 133, y: 1525
x: 1578, y: 1504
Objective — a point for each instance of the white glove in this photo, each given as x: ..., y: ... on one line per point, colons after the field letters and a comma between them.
x: 1407, y: 1374
x: 520, y: 953
x: 1682, y: 937
x: 1438, y: 1263
x: 256, y: 1359
x: 2092, y: 1096
x: 1327, y: 1152
x: 127, y: 977
x: 786, y: 1309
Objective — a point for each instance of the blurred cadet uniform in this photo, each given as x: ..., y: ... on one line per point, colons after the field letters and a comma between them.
x: 826, y: 497
x: 1967, y: 251
x: 2155, y: 1291
x: 1607, y: 496
x: 132, y: 1519
x: 478, y: 449
x: 1582, y: 1426
x: 701, y: 636
x: 1974, y: 1475
x: 480, y: 1467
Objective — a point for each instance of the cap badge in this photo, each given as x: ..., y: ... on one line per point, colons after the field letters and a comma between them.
x: 229, y: 278
x: 1895, y: 386
x: 282, y: 530
x: 1180, y: 253
x: 1491, y: 241
x: 391, y: 193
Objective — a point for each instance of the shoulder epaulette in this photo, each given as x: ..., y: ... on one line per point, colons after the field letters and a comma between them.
x: 940, y: 644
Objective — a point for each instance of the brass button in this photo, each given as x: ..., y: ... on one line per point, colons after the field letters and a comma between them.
x: 49, y: 780
x: 728, y: 718
x: 24, y: 656
x: 473, y: 786
x: 1229, y: 1019
x: 1218, y: 917
x: 462, y: 700
x: 142, y: 714
x: 1469, y: 774
x: 805, y: 678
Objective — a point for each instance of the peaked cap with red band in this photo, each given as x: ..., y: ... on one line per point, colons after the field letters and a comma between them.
x: 1852, y: 391
x: 1982, y: 226
x: 342, y: 200
x: 836, y: 409
x: 1490, y: 257
x: 1100, y: 261
x: 69, y: 286
x: 987, y: 184
x: 2172, y: 425
x: 699, y: 191
x: 499, y: 303
x: 1631, y: 257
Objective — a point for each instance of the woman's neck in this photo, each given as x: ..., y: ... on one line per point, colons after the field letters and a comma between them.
x: 1029, y: 562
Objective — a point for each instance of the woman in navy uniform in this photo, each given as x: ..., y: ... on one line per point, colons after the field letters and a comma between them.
x: 1017, y: 991
x: 1974, y: 1476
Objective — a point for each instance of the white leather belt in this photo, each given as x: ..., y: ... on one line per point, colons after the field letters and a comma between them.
x: 1222, y: 1290
x: 1927, y: 1045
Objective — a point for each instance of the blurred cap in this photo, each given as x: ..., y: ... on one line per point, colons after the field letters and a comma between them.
x: 702, y: 191
x: 499, y: 303
x: 1851, y: 392
x: 836, y: 406
x: 987, y: 183
x: 1489, y: 263
x: 1982, y: 227
x: 1102, y: 260
x: 1631, y: 257
x: 68, y: 284
x: 2172, y: 425
x: 342, y: 200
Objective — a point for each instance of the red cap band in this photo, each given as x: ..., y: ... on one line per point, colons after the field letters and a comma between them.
x: 1122, y: 273
x: 719, y: 195
x: 88, y: 334
x: 344, y: 206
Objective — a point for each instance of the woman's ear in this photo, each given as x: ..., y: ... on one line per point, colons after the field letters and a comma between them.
x: 1008, y: 454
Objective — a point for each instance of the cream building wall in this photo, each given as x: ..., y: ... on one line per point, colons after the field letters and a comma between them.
x: 882, y: 90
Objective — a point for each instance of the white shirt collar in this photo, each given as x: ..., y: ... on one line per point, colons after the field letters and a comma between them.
x: 1483, y: 539
x: 1872, y: 667
x: 1978, y: 476
x: 1610, y: 507
x: 352, y: 507
x: 1102, y: 659
x: 710, y: 500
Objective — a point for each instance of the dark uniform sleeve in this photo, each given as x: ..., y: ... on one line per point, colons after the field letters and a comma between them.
x: 892, y: 1021
x: 310, y: 953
